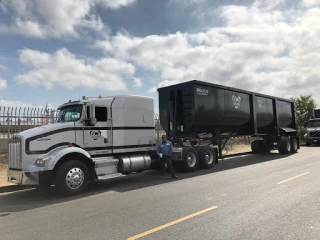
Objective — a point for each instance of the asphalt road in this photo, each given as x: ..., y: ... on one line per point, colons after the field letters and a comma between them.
x: 249, y: 197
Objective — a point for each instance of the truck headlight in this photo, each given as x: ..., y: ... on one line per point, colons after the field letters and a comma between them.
x: 41, y: 162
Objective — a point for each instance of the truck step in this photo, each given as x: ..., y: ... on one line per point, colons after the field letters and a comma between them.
x: 108, y: 176
x: 106, y: 166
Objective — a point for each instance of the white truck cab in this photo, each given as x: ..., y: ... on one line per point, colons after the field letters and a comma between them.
x: 312, y: 135
x: 95, y: 138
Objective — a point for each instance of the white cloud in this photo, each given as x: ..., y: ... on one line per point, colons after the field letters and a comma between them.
x: 269, y: 4
x: 114, y: 4
x: 152, y: 90
x: 2, y: 67
x: 19, y: 104
x: 311, y: 3
x: 268, y: 50
x: 59, y: 18
x: 63, y: 69
x: 14, y: 104
x: 137, y: 82
x: 3, y: 83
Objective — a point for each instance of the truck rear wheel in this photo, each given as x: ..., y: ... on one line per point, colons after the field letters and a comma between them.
x: 284, y: 146
x: 207, y: 157
x: 71, y: 178
x: 294, y: 145
x: 190, y: 159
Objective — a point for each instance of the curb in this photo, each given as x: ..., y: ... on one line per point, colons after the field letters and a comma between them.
x: 13, y: 188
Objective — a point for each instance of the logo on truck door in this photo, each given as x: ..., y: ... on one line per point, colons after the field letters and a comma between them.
x: 236, y: 101
x: 202, y: 91
x: 95, y: 134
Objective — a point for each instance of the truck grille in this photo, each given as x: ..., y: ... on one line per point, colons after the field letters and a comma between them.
x: 15, y: 153
x: 314, y: 134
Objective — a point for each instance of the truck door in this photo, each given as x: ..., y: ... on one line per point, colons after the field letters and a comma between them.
x: 97, y: 139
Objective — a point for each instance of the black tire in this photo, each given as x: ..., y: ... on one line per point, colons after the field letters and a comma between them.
x: 190, y: 165
x: 284, y: 146
x: 294, y: 145
x: 257, y: 146
x: 69, y: 169
x: 253, y: 146
x: 207, y: 157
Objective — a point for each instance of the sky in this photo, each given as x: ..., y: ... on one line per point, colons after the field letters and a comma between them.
x: 55, y: 51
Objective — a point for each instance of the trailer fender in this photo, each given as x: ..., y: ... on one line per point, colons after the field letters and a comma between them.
x: 52, y: 158
x: 288, y: 130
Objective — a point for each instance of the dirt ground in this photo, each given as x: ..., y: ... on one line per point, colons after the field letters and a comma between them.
x: 3, y: 169
x: 235, y: 146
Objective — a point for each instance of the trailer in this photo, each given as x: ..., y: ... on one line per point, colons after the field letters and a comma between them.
x: 108, y: 137
x: 200, y: 118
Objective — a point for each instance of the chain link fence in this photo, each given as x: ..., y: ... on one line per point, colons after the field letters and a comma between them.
x: 14, y: 120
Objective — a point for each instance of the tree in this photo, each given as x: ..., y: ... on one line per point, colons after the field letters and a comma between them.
x: 305, y: 106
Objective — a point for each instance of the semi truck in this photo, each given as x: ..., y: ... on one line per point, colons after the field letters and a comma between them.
x: 312, y: 126
x: 107, y: 137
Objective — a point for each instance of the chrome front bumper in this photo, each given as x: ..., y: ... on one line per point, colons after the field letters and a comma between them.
x: 23, y: 178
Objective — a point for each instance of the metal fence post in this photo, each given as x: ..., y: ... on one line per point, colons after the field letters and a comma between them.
x: 8, y: 125
x: 19, y: 124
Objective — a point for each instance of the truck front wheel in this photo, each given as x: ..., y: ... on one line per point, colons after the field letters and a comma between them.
x: 71, y: 178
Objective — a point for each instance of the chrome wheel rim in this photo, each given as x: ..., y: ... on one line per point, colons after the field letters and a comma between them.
x: 74, y: 178
x: 191, y: 159
x: 209, y: 157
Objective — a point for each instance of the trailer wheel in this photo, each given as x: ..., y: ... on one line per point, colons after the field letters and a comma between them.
x: 257, y: 146
x: 294, y: 145
x: 253, y: 146
x: 190, y: 159
x: 284, y: 146
x: 207, y: 157
x: 71, y: 178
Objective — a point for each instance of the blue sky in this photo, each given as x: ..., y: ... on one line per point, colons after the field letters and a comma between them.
x: 53, y: 51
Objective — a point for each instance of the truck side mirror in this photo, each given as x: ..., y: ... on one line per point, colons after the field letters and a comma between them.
x: 92, y: 113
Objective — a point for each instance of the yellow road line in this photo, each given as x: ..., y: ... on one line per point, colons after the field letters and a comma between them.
x: 292, y: 178
x: 171, y: 223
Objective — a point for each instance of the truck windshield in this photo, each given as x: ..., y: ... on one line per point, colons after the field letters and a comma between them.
x: 313, y: 124
x: 69, y: 113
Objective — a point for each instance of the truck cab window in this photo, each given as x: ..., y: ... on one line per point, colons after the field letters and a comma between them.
x: 69, y: 113
x: 314, y: 124
x: 101, y: 114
